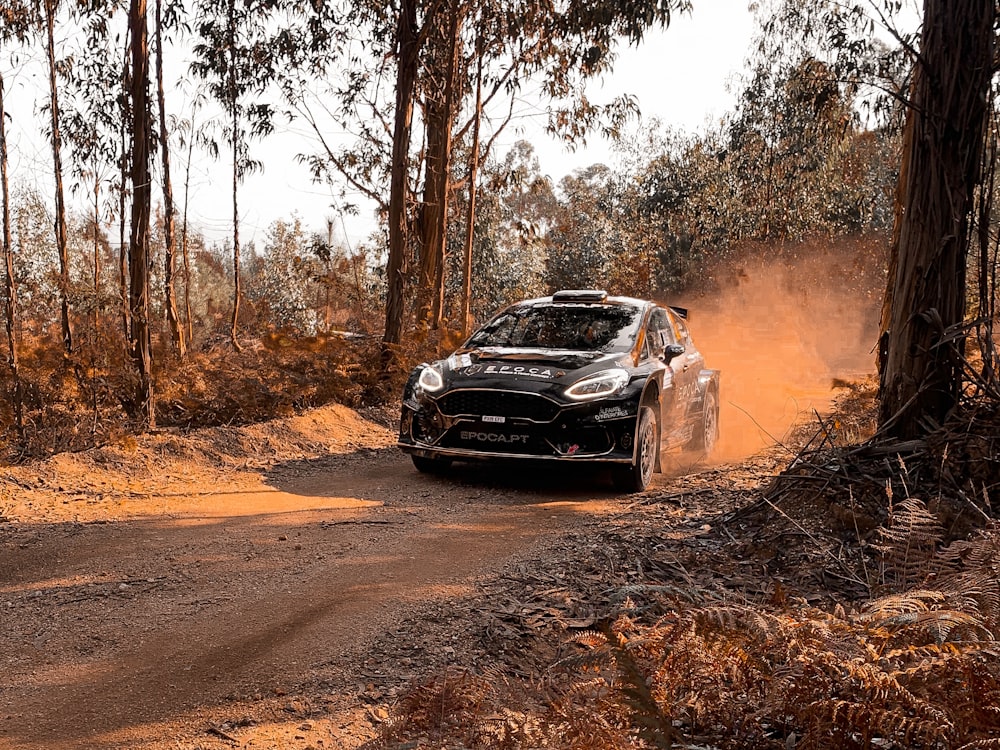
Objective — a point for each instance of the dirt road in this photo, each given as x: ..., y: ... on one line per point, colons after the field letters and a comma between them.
x: 232, y: 589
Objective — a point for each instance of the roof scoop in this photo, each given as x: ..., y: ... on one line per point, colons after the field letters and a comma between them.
x: 580, y: 295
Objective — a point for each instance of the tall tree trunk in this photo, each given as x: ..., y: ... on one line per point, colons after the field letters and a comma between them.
x: 234, y: 124
x: 97, y: 251
x: 407, y: 48
x: 439, y: 119
x: 921, y: 370
x: 184, y: 238
x: 123, y: 272
x: 470, y: 219
x: 450, y: 96
x: 60, y: 224
x: 141, y: 199
x: 170, y: 295
x: 10, y: 285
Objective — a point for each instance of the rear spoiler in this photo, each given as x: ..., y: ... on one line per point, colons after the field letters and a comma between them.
x: 681, y: 311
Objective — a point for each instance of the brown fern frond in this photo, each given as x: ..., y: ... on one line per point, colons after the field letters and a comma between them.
x: 908, y: 542
x: 873, y: 722
x: 990, y: 744
x: 913, y: 600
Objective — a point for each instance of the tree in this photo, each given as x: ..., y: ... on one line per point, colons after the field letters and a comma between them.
x: 60, y: 201
x: 922, y: 347
x: 14, y: 26
x: 407, y: 50
x: 141, y: 339
x: 92, y: 117
x: 170, y: 263
x: 235, y: 56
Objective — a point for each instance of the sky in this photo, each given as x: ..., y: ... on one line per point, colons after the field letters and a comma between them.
x: 682, y: 75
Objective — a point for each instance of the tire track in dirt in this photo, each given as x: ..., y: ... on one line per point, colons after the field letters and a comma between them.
x: 127, y: 631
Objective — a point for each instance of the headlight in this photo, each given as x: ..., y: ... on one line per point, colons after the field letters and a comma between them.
x: 602, y: 384
x: 430, y: 379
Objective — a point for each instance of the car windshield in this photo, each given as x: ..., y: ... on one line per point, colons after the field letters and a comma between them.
x: 560, y: 326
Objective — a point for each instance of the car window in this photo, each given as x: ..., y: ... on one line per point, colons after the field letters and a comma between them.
x: 561, y: 326
x: 659, y: 333
x: 683, y: 335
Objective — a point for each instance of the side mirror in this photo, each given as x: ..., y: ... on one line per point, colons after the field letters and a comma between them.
x: 674, y: 350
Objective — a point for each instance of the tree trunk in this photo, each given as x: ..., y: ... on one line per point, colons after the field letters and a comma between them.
x: 60, y: 223
x: 10, y: 286
x: 439, y: 119
x: 408, y: 46
x: 97, y: 252
x: 170, y: 295
x: 921, y: 370
x: 234, y: 121
x: 184, y: 237
x: 123, y: 272
x: 470, y: 220
x: 141, y: 199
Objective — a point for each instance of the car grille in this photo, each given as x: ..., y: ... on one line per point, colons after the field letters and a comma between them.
x: 509, y: 404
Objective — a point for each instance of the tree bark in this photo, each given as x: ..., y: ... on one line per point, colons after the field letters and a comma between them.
x: 141, y: 199
x: 439, y: 119
x: 922, y: 363
x: 470, y: 219
x: 60, y: 222
x: 169, y: 263
x: 407, y: 49
x: 10, y: 285
x: 123, y: 251
x: 234, y: 120
x: 184, y: 238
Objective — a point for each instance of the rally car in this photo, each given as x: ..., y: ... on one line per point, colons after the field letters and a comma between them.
x: 578, y: 376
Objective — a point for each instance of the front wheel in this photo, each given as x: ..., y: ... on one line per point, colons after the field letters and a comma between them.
x: 427, y: 465
x: 637, y: 476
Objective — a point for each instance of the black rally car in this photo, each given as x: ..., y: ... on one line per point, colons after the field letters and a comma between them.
x: 578, y: 376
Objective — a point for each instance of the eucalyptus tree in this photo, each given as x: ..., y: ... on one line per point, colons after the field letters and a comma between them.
x: 517, y: 212
x: 944, y: 97
x: 586, y: 238
x: 14, y: 26
x: 233, y: 54
x: 922, y: 359
x: 93, y: 112
x: 165, y: 23
x: 142, y: 405
x: 49, y: 10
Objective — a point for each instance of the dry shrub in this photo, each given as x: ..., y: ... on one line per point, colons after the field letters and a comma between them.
x: 915, y: 669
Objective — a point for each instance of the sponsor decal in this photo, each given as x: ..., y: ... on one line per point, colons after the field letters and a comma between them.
x: 494, y: 420
x: 514, y: 371
x: 473, y: 369
x: 612, y: 412
x: 494, y: 437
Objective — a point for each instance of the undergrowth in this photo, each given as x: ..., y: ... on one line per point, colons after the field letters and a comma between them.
x: 77, y: 401
x: 913, y: 662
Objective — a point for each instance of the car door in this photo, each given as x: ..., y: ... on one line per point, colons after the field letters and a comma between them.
x: 658, y: 336
x: 686, y: 370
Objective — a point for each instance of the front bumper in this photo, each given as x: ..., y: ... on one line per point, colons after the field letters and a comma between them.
x: 472, y: 423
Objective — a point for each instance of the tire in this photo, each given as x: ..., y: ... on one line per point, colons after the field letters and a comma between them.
x: 707, y: 433
x: 637, y: 476
x: 427, y: 465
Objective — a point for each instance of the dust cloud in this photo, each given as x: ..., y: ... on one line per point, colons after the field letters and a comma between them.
x: 781, y: 331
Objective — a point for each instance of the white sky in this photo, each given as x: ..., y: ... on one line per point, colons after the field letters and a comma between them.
x: 680, y: 76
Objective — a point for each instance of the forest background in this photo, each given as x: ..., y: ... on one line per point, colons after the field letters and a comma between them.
x: 118, y: 321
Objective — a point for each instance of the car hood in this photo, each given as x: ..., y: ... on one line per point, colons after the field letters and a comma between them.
x: 485, y: 366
